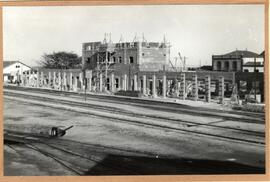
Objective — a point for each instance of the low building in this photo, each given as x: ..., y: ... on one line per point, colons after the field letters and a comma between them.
x: 12, y: 70
x: 239, y: 61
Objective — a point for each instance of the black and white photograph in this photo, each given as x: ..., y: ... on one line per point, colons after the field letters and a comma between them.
x: 131, y: 90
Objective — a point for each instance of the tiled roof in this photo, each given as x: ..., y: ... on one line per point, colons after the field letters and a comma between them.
x: 244, y: 53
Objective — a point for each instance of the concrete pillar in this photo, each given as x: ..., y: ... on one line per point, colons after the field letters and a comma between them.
x: 139, y: 82
x: 148, y: 86
x: 144, y: 84
x: 164, y: 86
x: 195, y: 87
x: 135, y: 83
x: 176, y: 87
x: 70, y: 81
x: 90, y: 80
x: 31, y: 77
x: 183, y: 86
x: 50, y: 79
x: 112, y: 80
x: 41, y: 79
x: 125, y: 82
x: 207, y: 88
x: 65, y: 80
x: 27, y: 79
x: 60, y: 81
x: 154, y: 93
x: 81, y: 80
x: 221, y: 89
x: 37, y: 84
x: 23, y: 79
x: 100, y: 82
x: 54, y: 79
x: 75, y: 86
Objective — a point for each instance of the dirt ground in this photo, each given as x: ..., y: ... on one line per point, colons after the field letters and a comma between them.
x: 156, y: 143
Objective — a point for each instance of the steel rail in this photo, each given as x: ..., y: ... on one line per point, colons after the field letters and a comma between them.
x: 152, y: 125
x: 140, y: 102
x: 29, y: 144
x: 143, y: 116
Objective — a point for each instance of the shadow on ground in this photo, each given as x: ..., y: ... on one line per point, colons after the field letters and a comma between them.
x: 123, y: 165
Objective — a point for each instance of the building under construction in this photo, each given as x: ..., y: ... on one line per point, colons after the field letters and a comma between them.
x: 145, y: 69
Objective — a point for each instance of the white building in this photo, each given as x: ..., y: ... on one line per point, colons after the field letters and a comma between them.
x: 239, y: 61
x: 12, y: 70
x: 249, y: 63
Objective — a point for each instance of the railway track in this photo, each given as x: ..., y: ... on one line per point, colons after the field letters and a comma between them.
x: 176, y: 125
x: 78, y: 162
x: 215, y: 114
x: 156, y: 105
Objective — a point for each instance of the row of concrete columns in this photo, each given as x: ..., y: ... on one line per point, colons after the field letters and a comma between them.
x: 65, y: 79
x: 182, y: 88
x: 54, y: 80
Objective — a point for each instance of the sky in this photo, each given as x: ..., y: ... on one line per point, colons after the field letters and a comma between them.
x: 196, y: 31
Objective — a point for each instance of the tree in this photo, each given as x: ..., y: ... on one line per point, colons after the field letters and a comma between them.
x: 61, y: 60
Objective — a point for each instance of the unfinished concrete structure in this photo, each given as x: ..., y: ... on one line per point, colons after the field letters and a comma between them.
x: 147, y: 56
x: 123, y: 58
x: 139, y: 66
x: 183, y: 85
